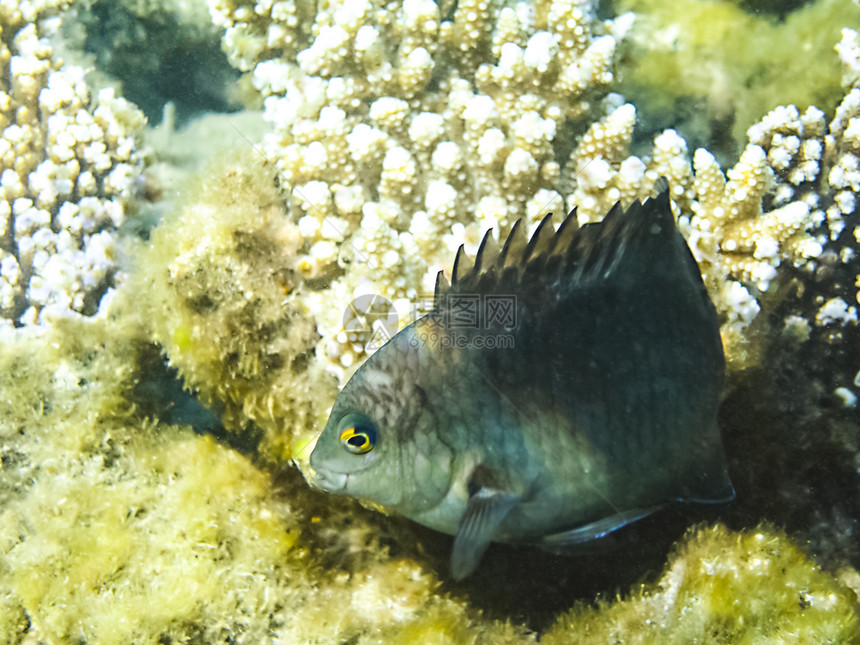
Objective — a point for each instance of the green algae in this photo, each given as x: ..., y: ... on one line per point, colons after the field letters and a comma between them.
x: 116, y: 528
x: 220, y: 288
x: 119, y: 528
x: 720, y: 67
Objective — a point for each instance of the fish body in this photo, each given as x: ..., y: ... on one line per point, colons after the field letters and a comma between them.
x: 562, y: 386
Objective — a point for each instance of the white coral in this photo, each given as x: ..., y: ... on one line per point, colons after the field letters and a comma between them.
x: 68, y: 165
x: 449, y: 125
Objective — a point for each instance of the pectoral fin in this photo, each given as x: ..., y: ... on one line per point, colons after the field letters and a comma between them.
x: 595, y: 530
x: 485, y: 510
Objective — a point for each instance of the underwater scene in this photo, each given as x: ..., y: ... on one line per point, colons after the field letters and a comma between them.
x: 429, y: 321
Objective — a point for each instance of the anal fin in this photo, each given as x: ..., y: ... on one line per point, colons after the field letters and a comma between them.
x: 597, y: 529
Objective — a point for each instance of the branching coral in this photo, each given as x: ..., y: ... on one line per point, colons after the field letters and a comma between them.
x: 741, y: 225
x: 398, y: 128
x: 69, y: 166
x: 788, y: 197
x: 401, y: 130
x: 388, y: 177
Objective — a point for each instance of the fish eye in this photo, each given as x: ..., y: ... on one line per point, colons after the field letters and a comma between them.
x: 357, y: 434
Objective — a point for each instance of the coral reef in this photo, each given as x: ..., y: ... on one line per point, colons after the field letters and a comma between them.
x: 723, y: 587
x: 785, y: 201
x: 849, y: 54
x: 396, y: 149
x: 400, y: 130
x: 69, y: 167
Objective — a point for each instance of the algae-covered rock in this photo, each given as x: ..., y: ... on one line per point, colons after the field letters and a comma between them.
x: 114, y: 528
x: 722, y: 587
x: 118, y: 528
x: 219, y: 288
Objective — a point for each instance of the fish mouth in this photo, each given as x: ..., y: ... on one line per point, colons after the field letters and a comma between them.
x: 330, y: 482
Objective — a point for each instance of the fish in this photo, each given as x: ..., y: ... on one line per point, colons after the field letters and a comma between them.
x: 563, y: 386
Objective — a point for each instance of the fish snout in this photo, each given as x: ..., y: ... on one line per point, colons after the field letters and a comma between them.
x: 330, y: 482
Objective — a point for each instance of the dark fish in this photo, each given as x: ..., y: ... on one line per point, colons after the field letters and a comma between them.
x: 562, y: 387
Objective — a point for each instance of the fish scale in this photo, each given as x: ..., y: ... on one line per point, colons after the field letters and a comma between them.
x: 599, y: 407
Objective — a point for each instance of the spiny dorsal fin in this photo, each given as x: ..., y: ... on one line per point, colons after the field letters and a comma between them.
x: 512, y: 251
x: 543, y: 239
x: 441, y: 289
x: 598, y: 259
x: 572, y: 255
x: 488, y: 251
x: 566, y: 233
x: 462, y: 265
x: 506, y: 266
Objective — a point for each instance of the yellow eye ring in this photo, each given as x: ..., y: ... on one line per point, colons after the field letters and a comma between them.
x: 358, y: 440
x: 357, y: 433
